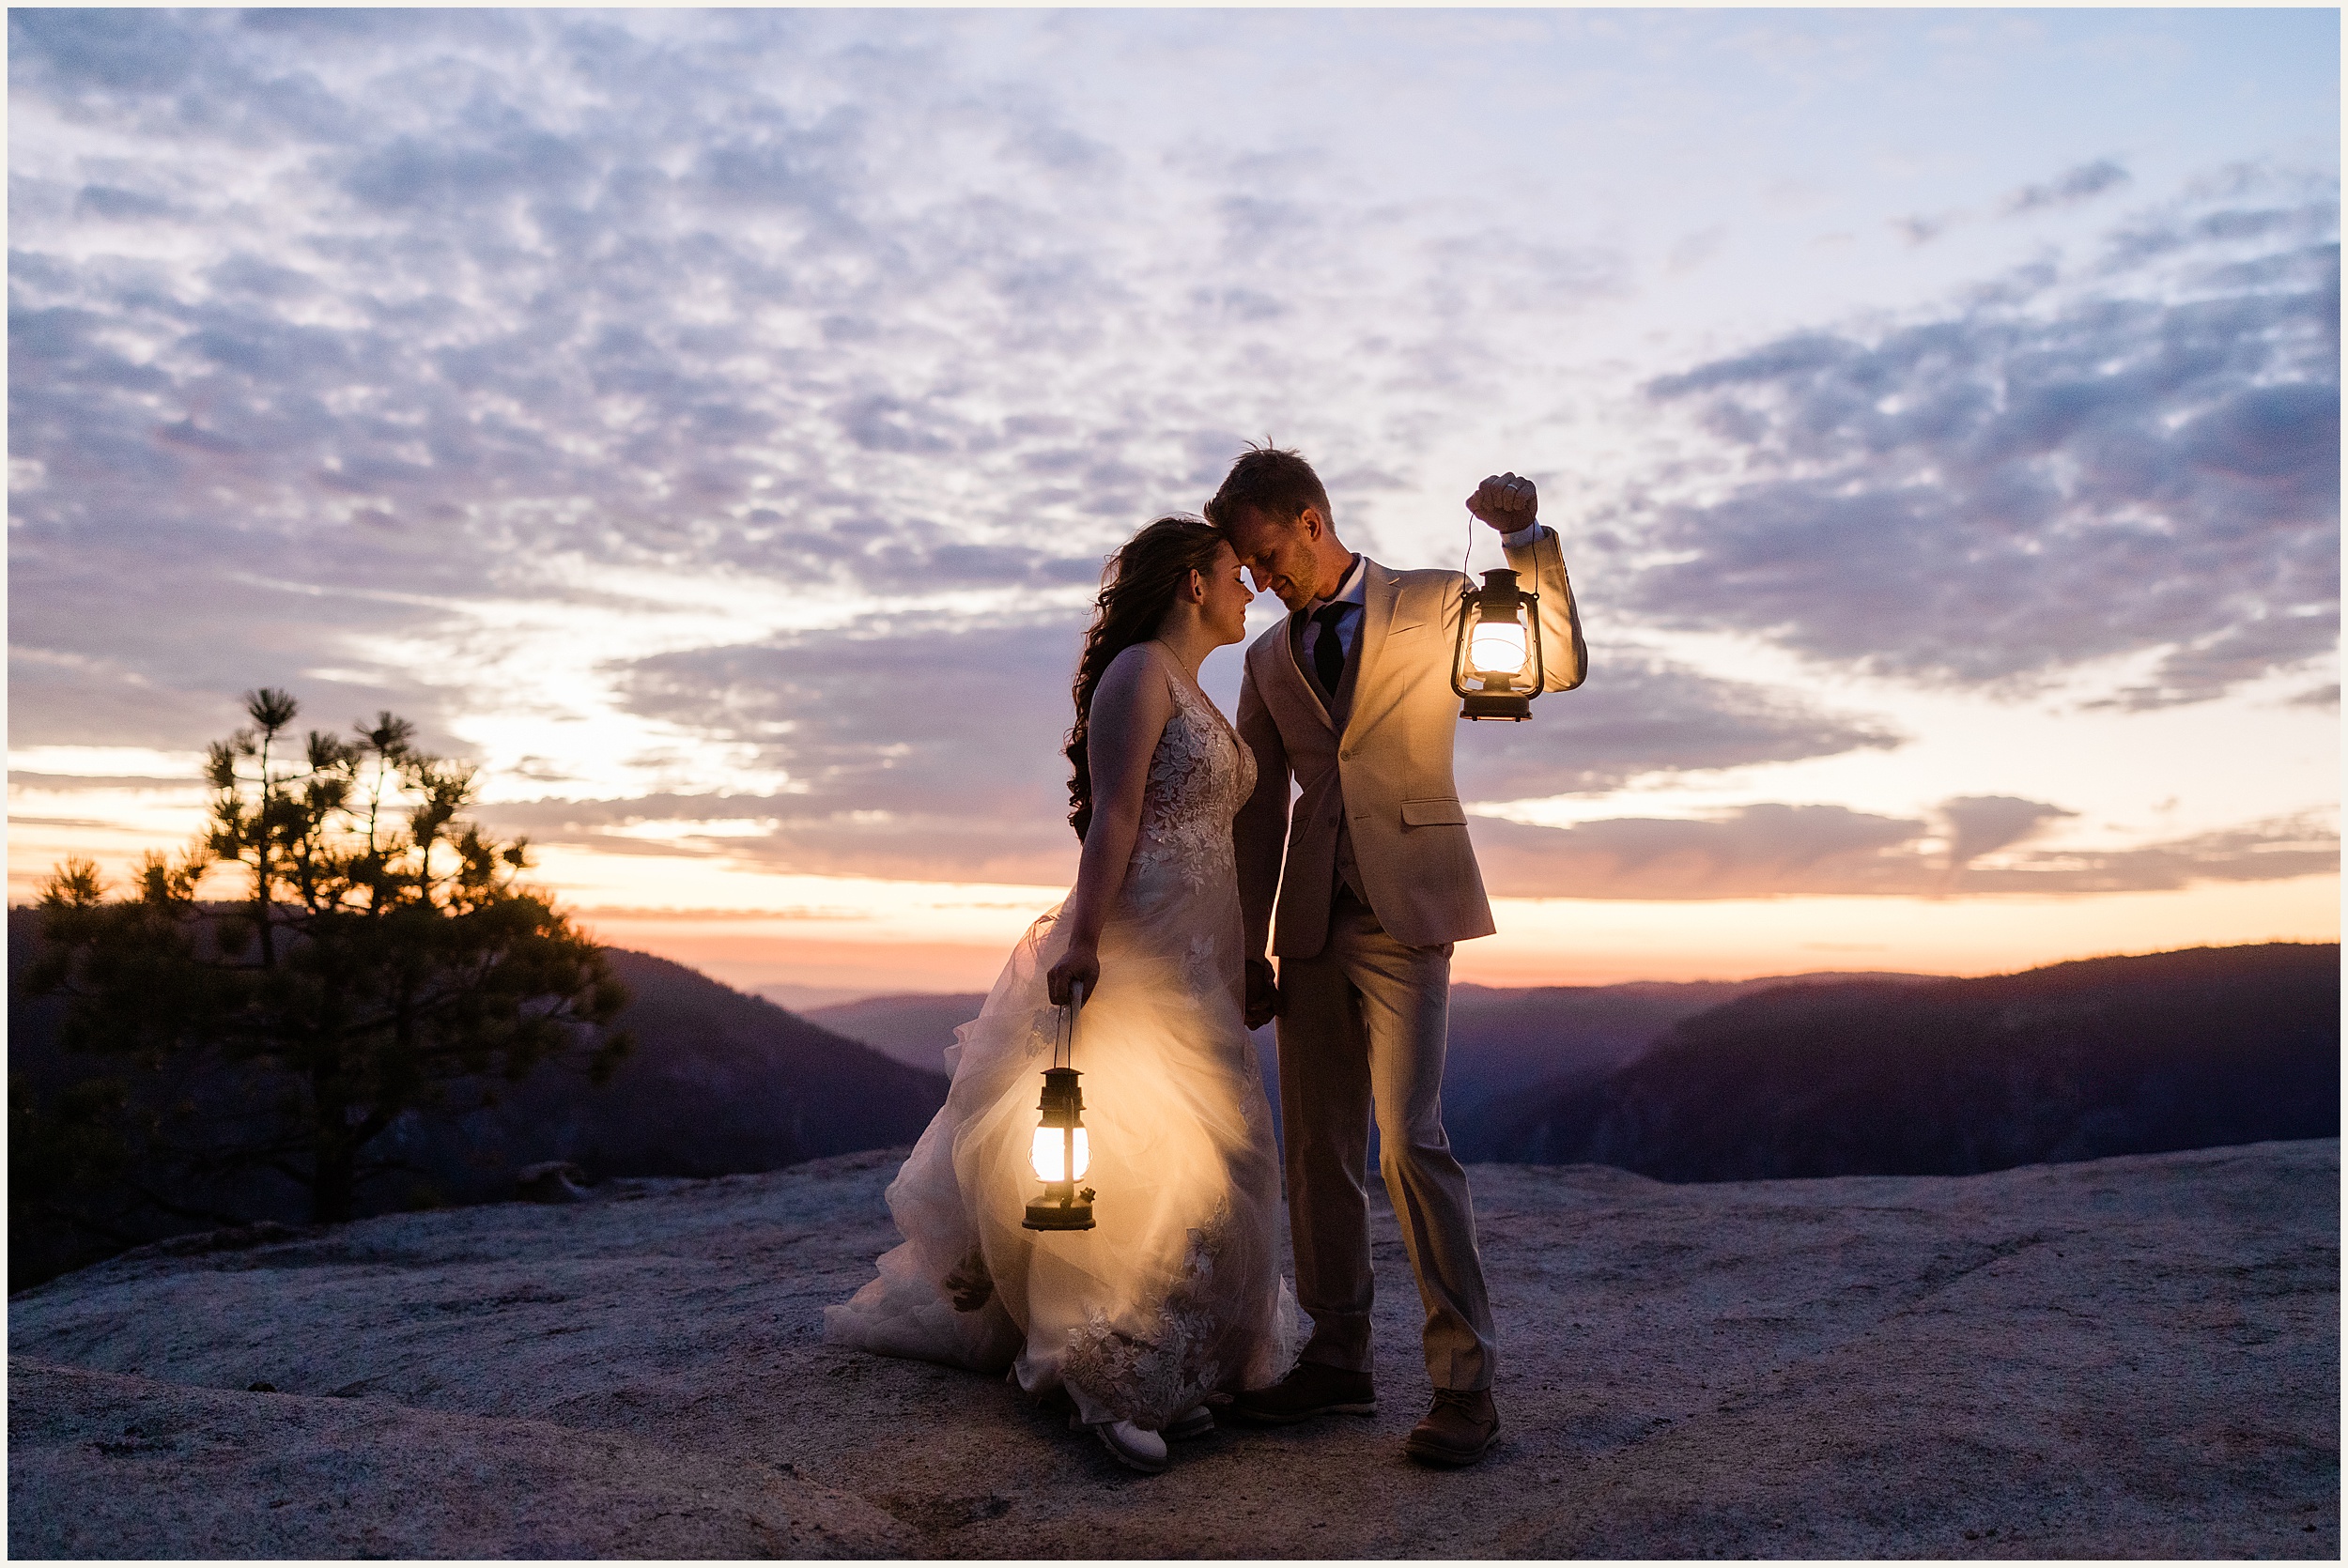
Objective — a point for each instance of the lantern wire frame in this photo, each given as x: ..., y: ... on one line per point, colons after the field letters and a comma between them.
x: 1498, y: 695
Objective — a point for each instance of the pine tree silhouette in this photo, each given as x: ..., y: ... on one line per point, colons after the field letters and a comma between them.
x: 384, y: 951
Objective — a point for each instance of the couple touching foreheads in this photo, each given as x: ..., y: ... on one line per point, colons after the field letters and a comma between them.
x: 1172, y: 1312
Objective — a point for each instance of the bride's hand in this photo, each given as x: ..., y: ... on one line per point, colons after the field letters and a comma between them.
x: 1078, y: 966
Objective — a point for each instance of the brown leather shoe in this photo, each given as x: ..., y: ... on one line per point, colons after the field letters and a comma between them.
x: 1312, y: 1389
x: 1457, y: 1430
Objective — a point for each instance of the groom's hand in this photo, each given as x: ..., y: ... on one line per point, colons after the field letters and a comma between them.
x: 1263, y: 993
x: 1505, y: 502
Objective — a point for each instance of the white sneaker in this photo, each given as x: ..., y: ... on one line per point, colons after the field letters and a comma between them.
x: 1135, y: 1449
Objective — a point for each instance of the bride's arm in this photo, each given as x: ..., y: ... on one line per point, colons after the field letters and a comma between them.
x: 1129, y: 711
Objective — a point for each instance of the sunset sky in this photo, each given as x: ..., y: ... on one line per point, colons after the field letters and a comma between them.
x: 714, y: 423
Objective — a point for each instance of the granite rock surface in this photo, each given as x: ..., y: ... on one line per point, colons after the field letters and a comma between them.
x: 2134, y: 1357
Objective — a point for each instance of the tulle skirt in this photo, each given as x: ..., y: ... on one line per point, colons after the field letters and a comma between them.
x: 1176, y: 1293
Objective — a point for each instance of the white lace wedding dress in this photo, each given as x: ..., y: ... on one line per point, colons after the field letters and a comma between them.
x: 1177, y: 1291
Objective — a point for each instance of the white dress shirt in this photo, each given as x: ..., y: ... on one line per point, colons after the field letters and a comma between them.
x: 1353, y: 591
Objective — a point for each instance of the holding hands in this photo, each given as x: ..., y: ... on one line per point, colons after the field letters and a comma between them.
x: 1505, y: 502
x: 1263, y: 993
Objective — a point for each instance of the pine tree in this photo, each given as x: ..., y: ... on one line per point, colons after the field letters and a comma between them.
x: 379, y: 950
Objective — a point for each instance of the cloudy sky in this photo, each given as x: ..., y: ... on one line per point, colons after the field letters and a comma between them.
x: 712, y: 422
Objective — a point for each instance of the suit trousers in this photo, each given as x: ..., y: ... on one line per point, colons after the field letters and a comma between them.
x: 1362, y: 1023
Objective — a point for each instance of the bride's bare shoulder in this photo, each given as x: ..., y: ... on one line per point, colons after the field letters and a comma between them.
x: 1140, y: 677
x: 1137, y: 664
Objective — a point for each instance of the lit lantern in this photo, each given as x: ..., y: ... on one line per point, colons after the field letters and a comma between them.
x: 1062, y: 1151
x: 1497, y: 667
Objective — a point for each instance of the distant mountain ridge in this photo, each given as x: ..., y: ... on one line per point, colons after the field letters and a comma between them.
x: 721, y: 1082
x: 2192, y: 1049
x: 1510, y: 1046
x: 912, y: 1027
x: 1840, y: 1073
x: 1505, y: 1042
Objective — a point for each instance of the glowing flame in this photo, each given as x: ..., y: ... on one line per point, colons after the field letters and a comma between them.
x: 1496, y: 648
x: 1046, y: 1154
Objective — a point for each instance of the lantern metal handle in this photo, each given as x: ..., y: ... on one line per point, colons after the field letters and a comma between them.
x: 1064, y: 1037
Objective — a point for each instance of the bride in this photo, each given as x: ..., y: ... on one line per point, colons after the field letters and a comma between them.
x: 1176, y: 1295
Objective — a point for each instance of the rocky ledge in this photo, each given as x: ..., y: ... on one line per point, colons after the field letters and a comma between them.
x: 2129, y: 1358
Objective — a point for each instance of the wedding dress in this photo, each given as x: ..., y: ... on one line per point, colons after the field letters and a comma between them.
x: 1177, y: 1291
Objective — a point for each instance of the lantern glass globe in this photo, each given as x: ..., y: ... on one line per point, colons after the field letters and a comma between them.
x: 1496, y: 648
x: 1049, y: 1154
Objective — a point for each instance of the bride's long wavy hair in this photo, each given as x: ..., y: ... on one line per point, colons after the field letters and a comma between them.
x: 1135, y: 593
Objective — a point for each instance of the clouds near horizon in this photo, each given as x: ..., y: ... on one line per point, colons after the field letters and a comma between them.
x: 1780, y: 851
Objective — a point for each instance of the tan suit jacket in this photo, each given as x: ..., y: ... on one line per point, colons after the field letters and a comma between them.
x: 1374, y: 766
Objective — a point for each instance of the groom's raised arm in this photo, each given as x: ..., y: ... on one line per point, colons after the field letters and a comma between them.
x: 1540, y: 565
x: 1259, y: 834
x: 1509, y: 504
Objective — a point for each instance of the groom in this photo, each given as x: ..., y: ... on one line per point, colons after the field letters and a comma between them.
x: 1351, y: 698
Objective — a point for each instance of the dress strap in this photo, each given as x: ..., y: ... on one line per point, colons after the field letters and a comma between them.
x: 1174, y: 683
x: 1188, y: 695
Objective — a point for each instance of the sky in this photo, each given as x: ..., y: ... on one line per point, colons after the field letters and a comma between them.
x: 712, y: 424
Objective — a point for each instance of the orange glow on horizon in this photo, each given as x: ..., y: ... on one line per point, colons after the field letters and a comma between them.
x: 1563, y: 942
x: 866, y: 936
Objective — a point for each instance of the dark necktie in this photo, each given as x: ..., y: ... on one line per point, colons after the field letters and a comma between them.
x: 1328, y: 649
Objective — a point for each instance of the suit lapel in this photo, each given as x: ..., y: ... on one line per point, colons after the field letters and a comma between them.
x: 1379, y: 593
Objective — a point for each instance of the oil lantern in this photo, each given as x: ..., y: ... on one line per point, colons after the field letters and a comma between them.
x: 1062, y: 1151
x: 1497, y: 666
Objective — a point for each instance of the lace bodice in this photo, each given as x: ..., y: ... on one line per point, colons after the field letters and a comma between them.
x: 1199, y: 776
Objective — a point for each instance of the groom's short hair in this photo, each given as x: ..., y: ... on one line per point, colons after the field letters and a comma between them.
x: 1270, y: 480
